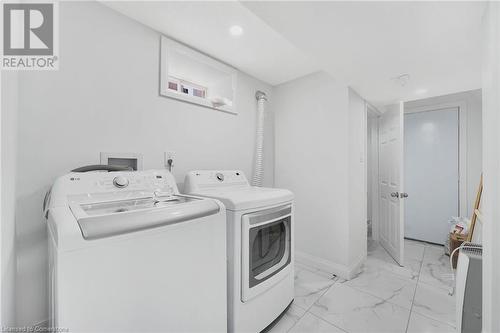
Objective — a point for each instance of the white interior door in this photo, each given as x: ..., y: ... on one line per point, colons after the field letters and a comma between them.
x: 431, y: 167
x: 391, y: 211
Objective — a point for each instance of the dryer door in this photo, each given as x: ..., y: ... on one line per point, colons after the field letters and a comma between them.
x: 266, y: 251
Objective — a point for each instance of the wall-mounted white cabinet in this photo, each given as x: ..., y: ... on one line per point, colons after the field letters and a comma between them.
x: 193, y: 77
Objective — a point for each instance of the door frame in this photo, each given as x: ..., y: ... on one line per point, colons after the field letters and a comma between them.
x: 462, y: 144
x: 372, y: 155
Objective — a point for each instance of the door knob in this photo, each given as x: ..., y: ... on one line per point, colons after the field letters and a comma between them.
x: 403, y: 195
x: 395, y: 194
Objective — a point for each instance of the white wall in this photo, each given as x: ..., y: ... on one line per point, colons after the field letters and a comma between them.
x: 314, y: 133
x: 372, y: 172
x: 105, y: 98
x: 369, y: 166
x: 9, y: 108
x: 491, y: 161
x: 472, y: 101
x: 357, y: 179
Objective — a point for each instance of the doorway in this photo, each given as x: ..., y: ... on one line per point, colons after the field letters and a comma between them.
x: 372, y: 173
x: 431, y: 162
x: 384, y: 180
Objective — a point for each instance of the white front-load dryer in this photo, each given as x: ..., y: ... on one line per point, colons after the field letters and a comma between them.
x: 128, y: 253
x: 260, y: 245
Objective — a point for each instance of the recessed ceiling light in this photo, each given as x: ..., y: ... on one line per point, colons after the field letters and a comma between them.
x: 420, y: 91
x: 401, y: 80
x: 236, y: 30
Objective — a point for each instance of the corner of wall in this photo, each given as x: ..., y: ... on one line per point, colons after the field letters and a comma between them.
x: 491, y: 156
x: 357, y: 178
x: 8, y: 125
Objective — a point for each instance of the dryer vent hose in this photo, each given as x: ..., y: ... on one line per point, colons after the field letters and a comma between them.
x: 258, y: 173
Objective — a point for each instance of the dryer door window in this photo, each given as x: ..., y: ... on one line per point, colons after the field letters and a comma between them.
x: 269, y: 250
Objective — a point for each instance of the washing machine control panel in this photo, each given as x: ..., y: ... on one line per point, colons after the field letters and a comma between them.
x: 155, y: 182
x: 99, y: 186
x: 90, y: 182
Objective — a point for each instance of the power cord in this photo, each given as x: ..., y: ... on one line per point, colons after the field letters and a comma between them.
x: 463, y: 245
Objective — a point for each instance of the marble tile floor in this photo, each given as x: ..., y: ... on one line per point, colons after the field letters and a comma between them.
x: 384, y: 297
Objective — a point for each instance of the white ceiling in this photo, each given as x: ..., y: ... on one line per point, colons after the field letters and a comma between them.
x: 260, y: 51
x: 363, y: 44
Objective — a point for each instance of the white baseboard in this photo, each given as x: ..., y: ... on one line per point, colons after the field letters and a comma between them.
x: 343, y: 271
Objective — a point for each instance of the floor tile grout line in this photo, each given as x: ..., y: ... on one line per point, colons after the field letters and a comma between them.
x: 333, y: 277
x: 307, y: 310
x: 326, y: 321
x: 323, y: 293
x: 443, y: 288
x: 378, y: 297
x: 300, y: 317
x: 415, y: 292
x: 382, y: 299
x: 329, y: 322
x: 434, y: 319
x: 400, y: 277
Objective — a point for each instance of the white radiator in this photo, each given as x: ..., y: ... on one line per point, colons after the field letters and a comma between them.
x: 469, y: 288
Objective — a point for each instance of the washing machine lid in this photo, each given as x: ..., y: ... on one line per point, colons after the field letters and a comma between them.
x: 110, y: 218
x: 248, y: 197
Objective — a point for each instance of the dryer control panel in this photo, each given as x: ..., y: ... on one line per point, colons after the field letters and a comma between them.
x: 203, y: 179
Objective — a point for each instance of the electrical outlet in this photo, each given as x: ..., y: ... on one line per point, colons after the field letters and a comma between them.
x: 168, y: 155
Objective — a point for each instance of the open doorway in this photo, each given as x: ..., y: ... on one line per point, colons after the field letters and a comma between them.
x: 372, y: 174
x: 443, y: 162
x: 431, y: 155
x: 441, y: 153
x: 385, y: 208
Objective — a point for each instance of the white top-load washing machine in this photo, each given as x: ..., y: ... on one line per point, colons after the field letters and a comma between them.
x: 129, y: 254
x: 260, y: 245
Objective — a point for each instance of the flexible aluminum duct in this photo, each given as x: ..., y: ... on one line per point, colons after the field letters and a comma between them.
x: 258, y: 175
